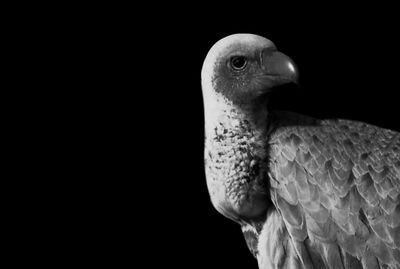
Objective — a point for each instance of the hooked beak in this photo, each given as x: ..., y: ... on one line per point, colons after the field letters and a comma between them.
x: 277, y: 68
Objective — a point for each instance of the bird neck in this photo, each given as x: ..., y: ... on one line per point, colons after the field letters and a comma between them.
x: 235, y: 159
x: 235, y: 127
x: 221, y: 113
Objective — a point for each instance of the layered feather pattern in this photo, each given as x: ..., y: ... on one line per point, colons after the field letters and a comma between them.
x: 336, y: 184
x: 308, y: 193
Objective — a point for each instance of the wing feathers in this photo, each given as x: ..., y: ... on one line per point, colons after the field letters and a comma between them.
x: 339, y: 185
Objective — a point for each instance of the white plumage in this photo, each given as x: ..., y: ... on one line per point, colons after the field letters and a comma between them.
x: 308, y: 193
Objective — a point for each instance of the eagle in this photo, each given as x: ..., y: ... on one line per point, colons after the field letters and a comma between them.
x: 306, y: 192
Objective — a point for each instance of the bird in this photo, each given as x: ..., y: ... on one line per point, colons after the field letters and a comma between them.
x: 306, y: 192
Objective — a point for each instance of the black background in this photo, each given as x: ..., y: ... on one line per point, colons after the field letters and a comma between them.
x: 144, y: 113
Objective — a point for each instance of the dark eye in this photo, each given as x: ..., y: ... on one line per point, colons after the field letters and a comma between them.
x: 238, y: 62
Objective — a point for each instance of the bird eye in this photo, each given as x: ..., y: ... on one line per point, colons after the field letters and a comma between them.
x: 238, y: 62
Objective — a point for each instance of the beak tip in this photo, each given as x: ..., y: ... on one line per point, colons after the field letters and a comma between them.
x: 278, y: 63
x: 294, y: 73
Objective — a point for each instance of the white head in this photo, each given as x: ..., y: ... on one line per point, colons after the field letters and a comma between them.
x: 238, y: 70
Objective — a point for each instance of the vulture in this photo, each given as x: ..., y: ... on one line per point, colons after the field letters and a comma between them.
x: 306, y: 192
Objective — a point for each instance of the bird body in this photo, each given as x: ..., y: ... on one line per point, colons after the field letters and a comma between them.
x: 307, y: 193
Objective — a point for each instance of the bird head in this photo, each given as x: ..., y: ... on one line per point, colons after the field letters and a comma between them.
x: 240, y: 69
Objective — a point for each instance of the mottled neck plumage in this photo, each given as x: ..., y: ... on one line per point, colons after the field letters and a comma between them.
x: 236, y: 161
x: 222, y: 112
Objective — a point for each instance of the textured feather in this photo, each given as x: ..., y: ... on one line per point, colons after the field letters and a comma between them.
x: 346, y: 176
x: 307, y: 193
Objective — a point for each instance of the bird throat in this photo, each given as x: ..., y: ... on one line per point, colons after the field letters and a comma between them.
x: 235, y: 159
